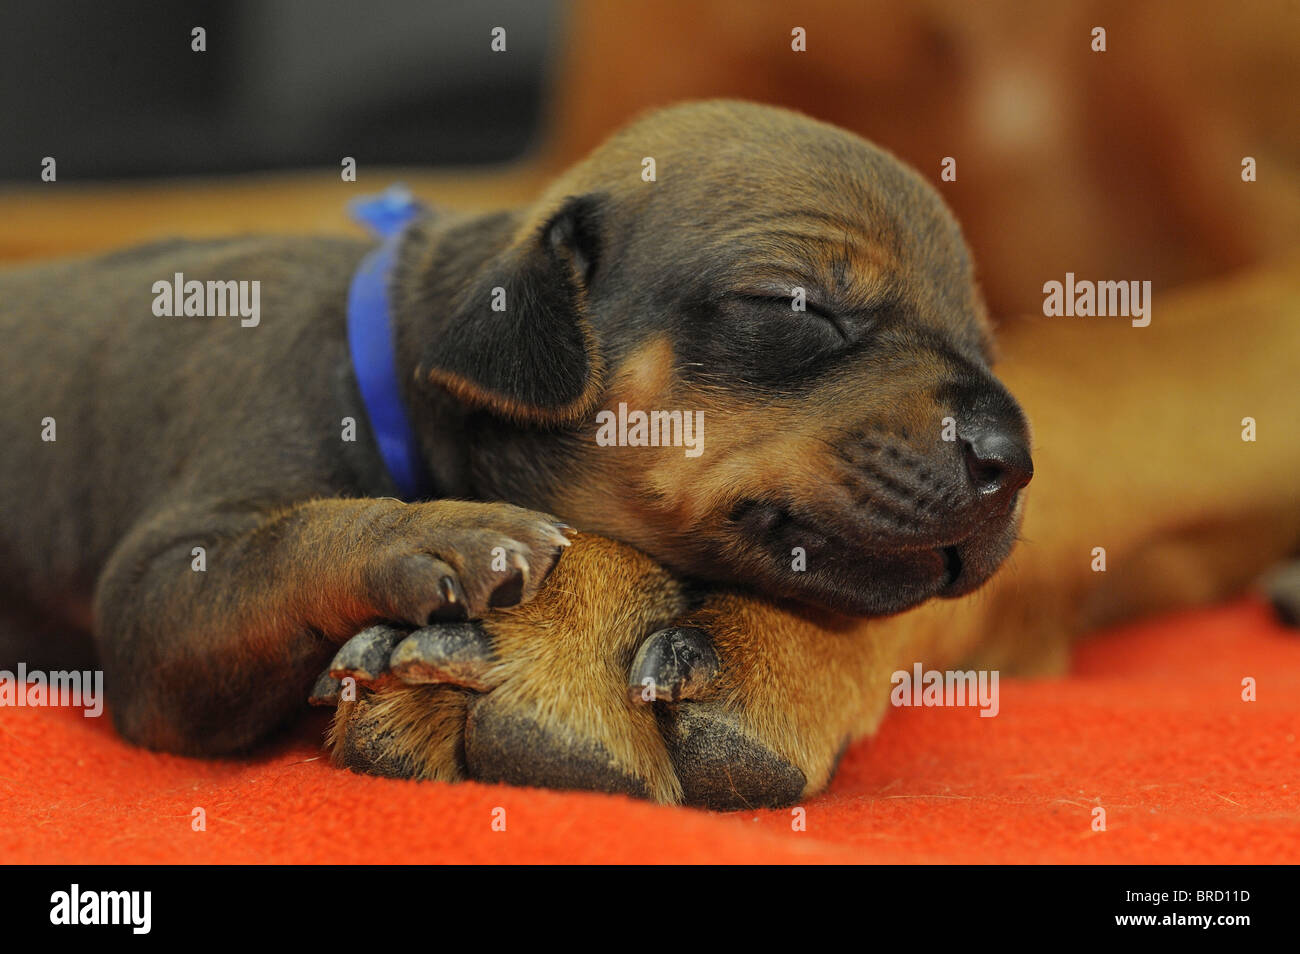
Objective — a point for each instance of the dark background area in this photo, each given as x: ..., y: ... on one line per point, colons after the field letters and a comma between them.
x: 113, y: 89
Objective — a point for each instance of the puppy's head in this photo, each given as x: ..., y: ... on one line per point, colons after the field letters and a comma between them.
x: 791, y: 288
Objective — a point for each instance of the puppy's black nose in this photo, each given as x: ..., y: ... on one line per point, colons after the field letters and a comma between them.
x: 998, y: 463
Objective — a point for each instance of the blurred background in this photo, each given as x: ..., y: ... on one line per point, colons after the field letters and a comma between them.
x: 1123, y: 164
x: 117, y: 89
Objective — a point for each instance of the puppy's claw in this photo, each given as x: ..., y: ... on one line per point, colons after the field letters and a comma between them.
x: 458, y: 653
x: 364, y: 657
x: 673, y: 664
x: 723, y: 767
x: 326, y: 691
x: 455, y: 605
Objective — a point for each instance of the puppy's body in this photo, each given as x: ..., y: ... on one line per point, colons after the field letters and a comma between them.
x: 156, y: 422
x: 199, y: 504
x: 149, y: 408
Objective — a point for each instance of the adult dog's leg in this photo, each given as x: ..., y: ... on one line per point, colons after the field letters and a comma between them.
x: 212, y: 623
x: 534, y: 695
x: 604, y: 682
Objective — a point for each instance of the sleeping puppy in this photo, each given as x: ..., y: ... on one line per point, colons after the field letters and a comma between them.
x: 791, y: 312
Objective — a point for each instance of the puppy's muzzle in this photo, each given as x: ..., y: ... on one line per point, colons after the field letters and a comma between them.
x: 900, y: 521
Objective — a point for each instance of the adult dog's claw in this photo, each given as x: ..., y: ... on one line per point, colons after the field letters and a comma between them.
x: 673, y: 664
x: 326, y: 691
x: 457, y: 653
x: 364, y: 657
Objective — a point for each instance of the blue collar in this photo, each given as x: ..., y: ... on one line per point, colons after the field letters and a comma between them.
x: 371, y: 344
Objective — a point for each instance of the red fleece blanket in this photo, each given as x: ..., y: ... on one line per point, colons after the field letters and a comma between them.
x: 1150, y: 725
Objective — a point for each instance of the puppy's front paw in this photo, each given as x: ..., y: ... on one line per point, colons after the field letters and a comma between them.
x: 456, y: 560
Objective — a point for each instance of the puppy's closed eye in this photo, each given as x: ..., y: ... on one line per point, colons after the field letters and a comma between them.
x: 811, y: 332
x: 811, y: 309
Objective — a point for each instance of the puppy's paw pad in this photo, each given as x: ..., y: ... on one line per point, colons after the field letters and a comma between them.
x: 452, y: 560
x: 363, y: 744
x: 721, y: 766
x: 504, y: 563
x: 501, y: 556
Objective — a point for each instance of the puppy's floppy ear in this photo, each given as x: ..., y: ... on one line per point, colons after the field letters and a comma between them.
x: 518, y: 342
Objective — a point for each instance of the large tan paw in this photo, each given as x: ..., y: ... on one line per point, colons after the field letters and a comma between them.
x: 767, y: 701
x: 591, y: 685
x: 535, y: 694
